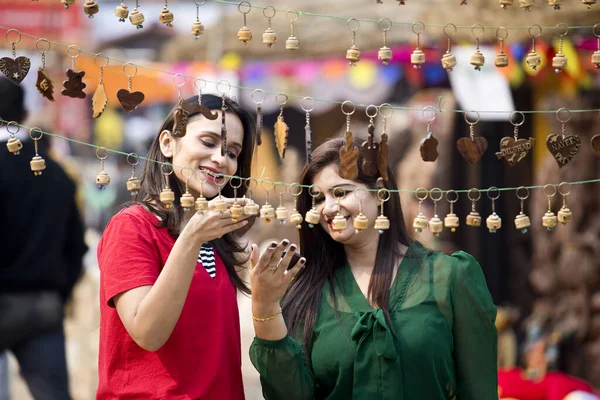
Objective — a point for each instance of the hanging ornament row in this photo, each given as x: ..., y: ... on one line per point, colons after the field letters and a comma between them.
x: 556, y: 4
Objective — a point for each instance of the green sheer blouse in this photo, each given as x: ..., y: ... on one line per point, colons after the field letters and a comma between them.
x: 443, y: 344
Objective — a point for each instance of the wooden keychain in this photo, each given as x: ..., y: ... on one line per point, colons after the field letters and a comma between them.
x: 451, y: 221
x: 361, y: 222
x: 102, y: 179
x: 181, y: 115
x: 223, y: 115
x: 250, y: 207
x: 166, y: 17
x: 129, y: 100
x: 295, y: 217
x: 559, y: 61
x: 348, y: 168
x: 201, y: 204
x: 308, y: 107
x: 313, y: 217
x: 205, y: 111
x: 420, y: 221
x: 493, y: 221
x: 514, y: 149
x: 435, y: 225
x: 292, y: 42
x: 134, y: 184
x: 555, y: 3
x: 37, y: 163
x: 589, y: 3
x: 417, y: 58
x: 382, y: 223
x: 549, y: 220
x: 90, y: 7
x: 370, y: 147
x: 385, y: 53
x: 122, y: 12
x: 197, y: 26
x: 501, y: 60
x: 267, y: 212
x: 595, y: 141
x: 596, y: 54
x: 269, y: 36
x: 258, y: 97
x: 429, y: 145
x: 477, y: 59
x: 385, y: 111
x: 281, y: 213
x: 15, y: 68
x: 526, y: 4
x: 220, y: 205
x: 187, y: 200
x: 67, y: 3
x: 474, y: 219
x: 472, y: 148
x: 506, y: 3
x: 44, y: 84
x: 14, y: 144
x: 449, y: 59
x: 137, y: 17
x: 562, y: 147
x: 522, y: 221
x: 99, y: 99
x: 353, y: 53
x: 533, y: 59
x: 339, y: 222
x: 281, y: 128
x: 74, y: 85
x: 244, y: 35
x: 167, y: 196
x: 564, y: 214
x: 237, y: 211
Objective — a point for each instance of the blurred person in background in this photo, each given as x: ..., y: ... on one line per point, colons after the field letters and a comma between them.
x: 43, y: 245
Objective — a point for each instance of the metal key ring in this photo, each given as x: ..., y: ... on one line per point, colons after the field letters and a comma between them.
x: 277, y: 184
x: 35, y: 128
x: 438, y: 198
x: 361, y: 190
x: 350, y: 104
x: 235, y: 186
x: 286, y: 98
x: 493, y: 189
x: 13, y: 30
x: 292, y: 11
x: 293, y: 185
x: 42, y: 40
x: 73, y: 47
x: 498, y: 33
x: 415, y: 25
x: 534, y: 26
x: 474, y: 190
x: 428, y: 108
x: 258, y: 91
x: 179, y: 85
x: 515, y: 113
x: 383, y: 27
x: 477, y: 26
x: 381, y: 193
x: 565, y: 28
x: 566, y: 185
x: 269, y: 8
x: 307, y: 99
x: 385, y: 107
x: 196, y: 83
x: 100, y: 55
x: 450, y: 35
x: 568, y: 115
x: 339, y: 196
x: 267, y: 181
x: 421, y: 197
x: 162, y: 169
x: 11, y: 123
x: 249, y: 182
x: 134, y: 72
x: 546, y: 187
x: 373, y: 115
x: 448, y: 196
x: 98, y: 150
x: 134, y: 156
x: 241, y: 4
x: 223, y: 82
x: 350, y: 21
x: 467, y: 117
x: 522, y: 188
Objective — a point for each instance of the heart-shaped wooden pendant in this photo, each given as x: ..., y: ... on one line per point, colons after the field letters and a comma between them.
x: 428, y: 148
x: 563, y: 149
x: 596, y: 144
x: 513, y: 150
x: 15, y: 69
x: 129, y: 100
x: 472, y: 149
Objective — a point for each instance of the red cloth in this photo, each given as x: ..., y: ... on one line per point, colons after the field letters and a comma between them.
x: 555, y: 386
x: 202, y: 357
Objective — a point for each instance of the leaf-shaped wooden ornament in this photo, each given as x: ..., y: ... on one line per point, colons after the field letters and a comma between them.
x: 383, y: 153
x: 349, y: 158
x: 44, y: 85
x: 99, y: 101
x: 281, y: 136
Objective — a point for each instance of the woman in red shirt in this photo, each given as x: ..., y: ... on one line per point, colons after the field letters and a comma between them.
x: 169, y: 325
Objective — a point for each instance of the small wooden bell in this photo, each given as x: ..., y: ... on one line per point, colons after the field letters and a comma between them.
x: 589, y: 3
x: 292, y: 43
x: 312, y: 217
x: 526, y: 4
x: 533, y: 60
x: 244, y: 35
x: 282, y: 214
x: 420, y: 222
x: 477, y: 60
x: 187, y: 201
x: 382, y: 223
x: 385, y: 55
x: 493, y: 222
x: 339, y: 223
x: 67, y: 3
x: 251, y: 208
x: 269, y: 37
x: 505, y: 3
x: 201, y: 204
x: 555, y: 3
x: 361, y: 222
x: 353, y: 55
x: 474, y: 219
x: 122, y: 12
x: 167, y: 197
x: 134, y: 185
x: 296, y: 219
x: 197, y: 29
x: 417, y: 58
x: 137, y: 19
x: 448, y: 61
x: 220, y: 205
x: 436, y: 226
x: 549, y: 221
x: 564, y: 215
x: 102, y: 180
x: 522, y: 222
x: 267, y: 212
x: 37, y: 164
x: 14, y: 145
x: 501, y: 60
x: 166, y: 17
x: 452, y: 222
x: 237, y: 211
x: 596, y: 59
x: 90, y: 7
x: 559, y: 62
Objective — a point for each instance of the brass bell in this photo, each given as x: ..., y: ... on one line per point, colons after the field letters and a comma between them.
x: 448, y: 61
x: 361, y: 222
x: 122, y: 12
x: 220, y: 205
x: 167, y: 197
x: 417, y: 58
x: 282, y: 214
x: 37, y: 164
x: 292, y: 43
x: 296, y: 219
x: 549, y: 221
x: 533, y: 60
x: 385, y: 55
x: 477, y: 60
x: 201, y: 204
x: 269, y: 37
x: 187, y: 201
x: 312, y: 217
x: 137, y: 19
x: 596, y: 59
x: 339, y: 223
x: 102, y: 180
x: 436, y: 226
x: 505, y: 3
x: 134, y: 185
x: 474, y: 219
x: 555, y: 3
x: 522, y: 222
x: 501, y: 60
x: 267, y: 212
x: 237, y: 211
x: 251, y: 208
x: 526, y: 4
x: 244, y: 35
x: 382, y: 223
x: 166, y: 17
x: 452, y: 222
x: 559, y: 62
x: 67, y: 2
x: 589, y: 3
x: 353, y: 55
x: 197, y: 29
x: 420, y: 223
x: 90, y: 7
x: 493, y: 222
x: 564, y: 215
x: 14, y: 145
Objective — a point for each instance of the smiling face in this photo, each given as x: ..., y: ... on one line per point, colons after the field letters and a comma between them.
x: 349, y: 207
x: 200, y: 150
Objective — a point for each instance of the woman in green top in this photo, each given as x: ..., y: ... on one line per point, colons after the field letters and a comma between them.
x: 369, y: 316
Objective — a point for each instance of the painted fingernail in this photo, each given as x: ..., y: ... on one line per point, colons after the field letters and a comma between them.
x: 293, y: 247
x: 273, y: 245
x: 302, y: 260
x: 285, y: 242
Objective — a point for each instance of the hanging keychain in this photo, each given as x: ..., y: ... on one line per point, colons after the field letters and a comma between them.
x: 386, y: 111
x: 514, y: 149
x: 501, y: 60
x: 533, y: 58
x: 385, y: 53
x: 555, y: 3
x: 564, y: 214
x: 559, y: 61
x: 14, y: 144
x: 451, y: 221
x: 339, y: 222
x: 370, y: 147
x: 549, y: 220
x: 223, y: 114
x: 596, y: 54
x: 449, y: 59
x: 417, y: 58
x: 201, y: 204
x: 477, y: 59
x: 295, y: 217
x: 563, y: 148
x: 122, y: 12
x: 15, y: 68
x: 267, y: 212
x: 134, y: 185
x: 474, y: 219
x: 307, y: 130
x: 197, y: 26
x: 522, y: 221
x: 90, y: 7
x: 166, y: 16
x: 99, y: 100
x: 269, y: 36
x: 435, y: 224
x: 205, y: 111
x: 219, y: 204
x: 281, y: 213
x: 472, y: 148
x: 137, y: 18
x: 74, y: 85
x: 44, y: 84
x: 167, y: 197
x: 129, y: 100
x: 37, y: 163
x: 186, y: 200
x: 244, y: 34
x: 281, y: 128
x: 348, y: 152
x: 589, y: 3
x: 526, y: 4
x: 493, y: 221
x: 506, y: 3
x: 67, y: 3
x: 250, y: 207
x: 237, y: 211
x: 361, y: 222
x: 429, y: 145
x: 102, y: 179
x: 313, y: 217
x: 259, y: 114
x: 181, y: 116
x: 353, y: 53
x: 382, y: 223
x: 292, y: 42
x: 420, y: 221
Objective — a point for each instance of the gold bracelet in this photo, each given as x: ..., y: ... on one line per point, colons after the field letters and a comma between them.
x: 269, y: 318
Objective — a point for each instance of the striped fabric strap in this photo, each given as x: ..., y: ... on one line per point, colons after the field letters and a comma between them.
x: 206, y: 257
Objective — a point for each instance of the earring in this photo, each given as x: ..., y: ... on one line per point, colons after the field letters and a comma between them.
x: 339, y: 222
x: 493, y: 222
x: 201, y: 203
x: 37, y: 163
x: 102, y: 179
x: 451, y: 221
x: 134, y: 185
x: 282, y: 214
x: 267, y: 212
x: 14, y: 144
x: 549, y: 220
x: 312, y: 216
x: 382, y: 222
x: 474, y: 219
x: 361, y: 222
x: 295, y: 216
x: 187, y: 200
x: 435, y: 224
x: 522, y: 221
x: 237, y: 211
x: 420, y: 221
x: 250, y: 207
x: 167, y: 197
x: 564, y: 214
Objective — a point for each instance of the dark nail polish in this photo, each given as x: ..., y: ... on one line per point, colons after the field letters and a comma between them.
x: 273, y: 245
x: 302, y: 260
x: 293, y: 247
x: 285, y: 242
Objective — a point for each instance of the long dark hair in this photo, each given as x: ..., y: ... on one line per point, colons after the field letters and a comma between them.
x: 324, y: 255
x: 230, y: 251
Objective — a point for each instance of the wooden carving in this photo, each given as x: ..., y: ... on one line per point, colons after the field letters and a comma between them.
x: 596, y: 144
x: 383, y: 155
x: 259, y: 125
x: 74, y: 85
x: 428, y: 148
x: 15, y: 69
x: 513, y: 150
x: 281, y: 136
x: 563, y: 149
x: 44, y: 85
x: 99, y: 101
x: 308, y: 142
x: 370, y: 153
x: 181, y: 117
x: 472, y: 149
x: 129, y: 100
x: 349, y: 158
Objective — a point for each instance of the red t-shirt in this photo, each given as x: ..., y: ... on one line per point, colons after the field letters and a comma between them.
x: 554, y: 386
x: 202, y: 357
